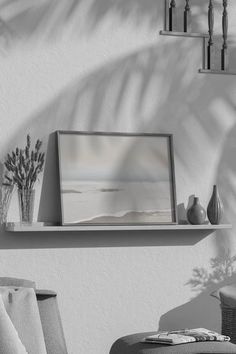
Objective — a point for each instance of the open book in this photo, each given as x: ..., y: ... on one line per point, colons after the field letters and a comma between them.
x: 185, y: 336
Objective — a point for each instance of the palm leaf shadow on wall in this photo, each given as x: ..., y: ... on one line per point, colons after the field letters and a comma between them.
x: 203, y: 310
x: 111, y: 83
x: 152, y: 67
x: 114, y: 81
x: 48, y: 19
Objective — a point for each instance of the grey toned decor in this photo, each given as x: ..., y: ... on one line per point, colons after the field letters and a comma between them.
x: 224, y: 51
x: 227, y: 297
x: 214, y: 208
x: 214, y: 60
x: 187, y: 16
x: 26, y: 204
x: 116, y: 178
x: 210, y: 30
x: 172, y: 15
x: 23, y: 167
x: 133, y: 344
x: 196, y: 214
x: 5, y: 199
x: 49, y: 314
x: 38, y: 227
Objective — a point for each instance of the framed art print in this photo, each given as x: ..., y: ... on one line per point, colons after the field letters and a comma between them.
x: 116, y: 178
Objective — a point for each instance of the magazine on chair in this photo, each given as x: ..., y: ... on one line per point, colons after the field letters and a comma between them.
x: 185, y: 336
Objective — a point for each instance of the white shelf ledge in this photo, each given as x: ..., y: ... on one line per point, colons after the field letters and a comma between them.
x: 217, y: 72
x: 17, y: 227
x: 184, y: 34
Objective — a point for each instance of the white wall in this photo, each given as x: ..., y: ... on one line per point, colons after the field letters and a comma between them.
x: 101, y: 65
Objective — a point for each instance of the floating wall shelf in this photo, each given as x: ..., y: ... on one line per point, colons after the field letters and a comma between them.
x: 16, y: 227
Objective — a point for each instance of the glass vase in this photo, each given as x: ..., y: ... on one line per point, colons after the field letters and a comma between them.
x: 26, y: 205
x: 5, y: 199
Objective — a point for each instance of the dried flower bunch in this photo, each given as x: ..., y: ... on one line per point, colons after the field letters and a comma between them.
x: 24, y: 165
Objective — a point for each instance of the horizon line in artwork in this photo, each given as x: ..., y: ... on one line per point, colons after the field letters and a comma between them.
x: 116, y: 203
x: 130, y: 217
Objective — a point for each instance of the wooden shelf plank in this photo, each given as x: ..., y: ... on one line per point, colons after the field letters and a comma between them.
x: 16, y: 227
x: 216, y: 72
x: 184, y: 34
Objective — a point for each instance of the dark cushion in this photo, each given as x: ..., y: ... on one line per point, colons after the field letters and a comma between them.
x: 132, y: 345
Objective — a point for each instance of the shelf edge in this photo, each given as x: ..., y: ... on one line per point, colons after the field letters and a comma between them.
x: 216, y: 72
x: 16, y: 228
x: 183, y: 34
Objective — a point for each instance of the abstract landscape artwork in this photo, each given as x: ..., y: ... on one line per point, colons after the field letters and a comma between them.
x: 116, y: 178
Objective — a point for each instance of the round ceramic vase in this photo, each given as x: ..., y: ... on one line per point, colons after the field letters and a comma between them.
x: 196, y: 214
x: 214, y: 208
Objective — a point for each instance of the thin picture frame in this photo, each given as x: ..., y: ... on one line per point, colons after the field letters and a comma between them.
x: 116, y: 178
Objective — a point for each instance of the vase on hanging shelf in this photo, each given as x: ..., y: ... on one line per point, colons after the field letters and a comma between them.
x: 196, y: 214
x: 26, y: 198
x: 214, y: 208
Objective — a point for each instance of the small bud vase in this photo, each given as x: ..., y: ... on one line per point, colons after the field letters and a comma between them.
x: 214, y: 208
x: 196, y: 214
x: 26, y: 205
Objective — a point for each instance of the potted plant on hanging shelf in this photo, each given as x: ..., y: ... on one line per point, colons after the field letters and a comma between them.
x: 24, y: 166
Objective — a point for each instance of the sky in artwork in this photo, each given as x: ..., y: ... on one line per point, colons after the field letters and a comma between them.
x: 113, y: 158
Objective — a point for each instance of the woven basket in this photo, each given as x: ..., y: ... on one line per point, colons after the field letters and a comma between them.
x: 228, y: 326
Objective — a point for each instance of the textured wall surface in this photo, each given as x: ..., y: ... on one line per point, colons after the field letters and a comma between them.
x: 101, y: 65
